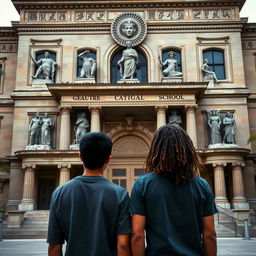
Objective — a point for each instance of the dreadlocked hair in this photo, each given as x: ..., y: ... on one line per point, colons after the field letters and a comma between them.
x: 173, y: 154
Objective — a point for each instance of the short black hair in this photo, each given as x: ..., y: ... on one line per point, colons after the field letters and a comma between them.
x: 95, y: 148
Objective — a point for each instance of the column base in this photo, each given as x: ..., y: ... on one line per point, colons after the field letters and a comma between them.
x: 12, y: 205
x: 222, y: 202
x: 26, y: 205
x: 241, y: 214
x: 15, y: 219
x: 240, y: 203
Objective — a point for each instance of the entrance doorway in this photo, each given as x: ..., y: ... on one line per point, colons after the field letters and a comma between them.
x: 124, y: 175
x: 46, y: 187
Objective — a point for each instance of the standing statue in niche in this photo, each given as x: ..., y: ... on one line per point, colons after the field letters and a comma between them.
x: 81, y: 127
x: 172, y: 66
x: 214, y: 123
x: 208, y: 75
x: 47, y: 68
x: 174, y: 118
x: 46, y: 130
x: 34, y: 129
x: 229, y: 124
x: 89, y: 65
x: 128, y: 62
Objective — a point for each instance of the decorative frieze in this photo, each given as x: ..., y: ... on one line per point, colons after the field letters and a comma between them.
x: 8, y: 47
x: 249, y: 44
x: 213, y: 14
x: 92, y: 15
x: 45, y: 16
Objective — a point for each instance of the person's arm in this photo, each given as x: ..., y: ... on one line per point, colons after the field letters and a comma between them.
x: 55, y: 250
x: 123, y: 245
x: 138, y: 236
x: 209, y: 236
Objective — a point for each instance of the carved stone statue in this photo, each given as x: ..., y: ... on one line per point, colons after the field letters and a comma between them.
x: 128, y: 62
x: 128, y: 28
x: 172, y: 66
x: 174, y: 118
x: 89, y: 65
x: 208, y: 75
x: 46, y: 70
x: 34, y: 129
x: 229, y: 124
x: 81, y: 127
x: 214, y: 123
x: 46, y: 130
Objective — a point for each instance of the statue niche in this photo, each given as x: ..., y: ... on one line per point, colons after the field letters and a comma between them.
x: 45, y: 67
x: 171, y: 66
x: 86, y: 66
x: 41, y: 129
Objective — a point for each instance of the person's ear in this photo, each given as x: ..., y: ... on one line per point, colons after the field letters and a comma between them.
x: 108, y: 159
x: 80, y: 156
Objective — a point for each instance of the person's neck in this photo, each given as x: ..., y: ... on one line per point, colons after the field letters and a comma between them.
x: 89, y: 172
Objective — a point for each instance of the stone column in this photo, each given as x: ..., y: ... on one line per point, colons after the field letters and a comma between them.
x: 191, y: 123
x: 64, y: 173
x: 95, y: 119
x: 220, y: 186
x: 65, y: 128
x: 160, y: 116
x: 249, y: 181
x: 239, y: 200
x: 27, y: 202
x: 15, y: 186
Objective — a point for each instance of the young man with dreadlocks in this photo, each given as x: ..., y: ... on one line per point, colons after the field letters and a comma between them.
x: 171, y: 202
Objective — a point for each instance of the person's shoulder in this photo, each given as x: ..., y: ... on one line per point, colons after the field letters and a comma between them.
x: 202, y: 182
x: 146, y: 177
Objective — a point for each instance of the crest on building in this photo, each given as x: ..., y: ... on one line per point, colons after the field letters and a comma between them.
x: 129, y: 26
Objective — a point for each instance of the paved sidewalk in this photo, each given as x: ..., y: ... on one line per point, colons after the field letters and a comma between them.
x: 38, y: 247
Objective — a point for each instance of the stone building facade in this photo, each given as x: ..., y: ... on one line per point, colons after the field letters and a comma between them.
x: 218, y: 114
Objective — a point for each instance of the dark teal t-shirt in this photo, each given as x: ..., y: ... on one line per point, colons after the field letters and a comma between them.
x: 88, y: 212
x: 174, y: 214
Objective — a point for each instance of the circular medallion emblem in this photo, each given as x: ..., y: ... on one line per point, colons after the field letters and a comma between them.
x: 129, y: 26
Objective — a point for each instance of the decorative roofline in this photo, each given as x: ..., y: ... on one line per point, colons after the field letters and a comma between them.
x: 114, y: 4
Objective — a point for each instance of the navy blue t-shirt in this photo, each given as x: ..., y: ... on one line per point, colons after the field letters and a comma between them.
x: 174, y: 213
x: 89, y: 212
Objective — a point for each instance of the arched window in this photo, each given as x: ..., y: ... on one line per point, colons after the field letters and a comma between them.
x: 79, y: 64
x: 165, y: 56
x: 141, y: 72
x: 41, y: 55
x: 216, y: 62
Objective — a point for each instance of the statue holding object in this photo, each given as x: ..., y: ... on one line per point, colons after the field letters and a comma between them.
x: 89, y: 65
x: 214, y: 123
x: 208, y: 75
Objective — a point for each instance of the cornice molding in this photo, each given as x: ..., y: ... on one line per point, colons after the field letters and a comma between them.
x: 24, y: 5
x: 106, y: 28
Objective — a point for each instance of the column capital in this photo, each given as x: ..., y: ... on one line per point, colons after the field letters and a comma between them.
x: 94, y: 108
x: 28, y: 165
x: 64, y: 165
x: 64, y: 109
x: 234, y: 164
x: 223, y: 164
x: 164, y: 107
x: 191, y: 107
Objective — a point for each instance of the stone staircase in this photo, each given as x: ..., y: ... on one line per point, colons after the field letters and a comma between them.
x: 35, y: 225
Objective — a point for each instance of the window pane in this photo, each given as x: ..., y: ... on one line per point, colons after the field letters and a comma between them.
x: 123, y: 183
x: 218, y: 57
x: 1, y: 69
x: 220, y: 72
x: 208, y: 55
x: 119, y: 172
x: 138, y: 172
x: 116, y: 182
x: 176, y: 57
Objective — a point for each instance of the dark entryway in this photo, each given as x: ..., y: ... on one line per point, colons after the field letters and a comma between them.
x: 46, y: 187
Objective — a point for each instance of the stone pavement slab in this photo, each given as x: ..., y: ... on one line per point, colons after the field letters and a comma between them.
x: 38, y: 247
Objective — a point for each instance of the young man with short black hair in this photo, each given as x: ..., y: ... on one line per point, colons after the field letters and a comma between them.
x: 89, y: 212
